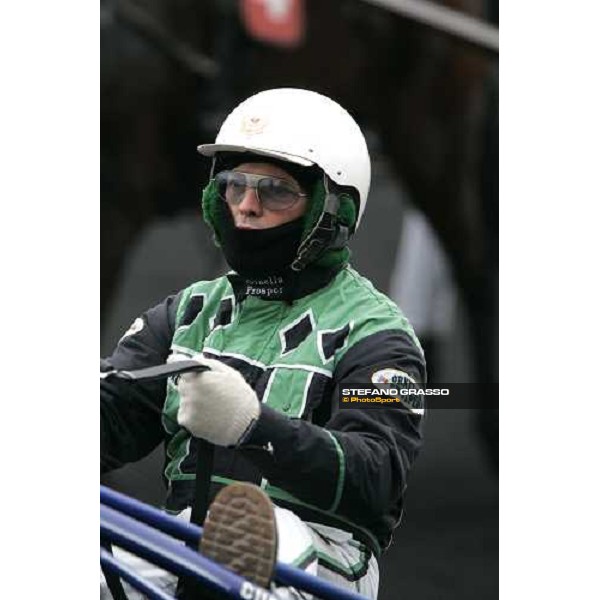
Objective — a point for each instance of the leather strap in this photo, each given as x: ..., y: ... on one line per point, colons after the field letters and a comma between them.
x: 173, y: 369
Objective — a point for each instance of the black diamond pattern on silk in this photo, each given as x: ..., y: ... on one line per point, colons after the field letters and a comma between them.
x: 225, y: 312
x: 192, y: 310
x: 333, y: 340
x: 296, y: 334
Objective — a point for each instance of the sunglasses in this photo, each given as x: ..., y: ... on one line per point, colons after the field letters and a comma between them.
x: 273, y: 193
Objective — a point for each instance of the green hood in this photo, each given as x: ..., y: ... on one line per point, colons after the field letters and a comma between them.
x: 346, y: 216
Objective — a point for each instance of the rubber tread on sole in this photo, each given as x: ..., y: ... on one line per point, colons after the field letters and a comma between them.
x: 240, y: 532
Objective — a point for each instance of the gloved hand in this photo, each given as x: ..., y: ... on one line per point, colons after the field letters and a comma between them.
x: 217, y: 405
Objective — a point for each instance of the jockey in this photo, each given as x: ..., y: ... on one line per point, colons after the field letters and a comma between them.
x: 290, y: 325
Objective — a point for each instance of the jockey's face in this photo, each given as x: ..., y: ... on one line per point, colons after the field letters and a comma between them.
x: 250, y: 212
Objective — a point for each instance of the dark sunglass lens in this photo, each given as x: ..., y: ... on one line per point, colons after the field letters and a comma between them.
x: 276, y: 194
x: 231, y: 186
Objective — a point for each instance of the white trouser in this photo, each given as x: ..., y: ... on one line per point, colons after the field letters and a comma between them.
x: 326, y: 552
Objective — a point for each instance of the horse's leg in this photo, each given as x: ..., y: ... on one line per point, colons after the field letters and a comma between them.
x: 433, y: 123
x: 132, y: 172
x: 487, y: 335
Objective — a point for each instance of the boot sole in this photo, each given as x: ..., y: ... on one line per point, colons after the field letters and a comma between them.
x: 240, y: 532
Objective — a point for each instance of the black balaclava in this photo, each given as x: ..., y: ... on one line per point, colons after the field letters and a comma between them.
x: 262, y: 258
x: 261, y: 252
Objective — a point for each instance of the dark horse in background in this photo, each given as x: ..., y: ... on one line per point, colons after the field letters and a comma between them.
x: 431, y: 100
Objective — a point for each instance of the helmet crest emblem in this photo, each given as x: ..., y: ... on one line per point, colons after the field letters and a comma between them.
x: 253, y: 125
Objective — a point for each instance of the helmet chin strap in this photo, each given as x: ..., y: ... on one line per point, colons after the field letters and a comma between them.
x: 327, y: 233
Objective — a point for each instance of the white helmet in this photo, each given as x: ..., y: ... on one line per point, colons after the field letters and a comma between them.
x: 302, y: 127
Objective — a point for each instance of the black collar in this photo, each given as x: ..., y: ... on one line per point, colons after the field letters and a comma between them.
x: 287, y: 286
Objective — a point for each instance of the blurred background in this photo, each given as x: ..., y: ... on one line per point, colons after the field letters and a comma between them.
x: 421, y: 78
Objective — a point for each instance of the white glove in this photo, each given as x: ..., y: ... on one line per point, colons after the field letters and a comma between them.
x: 217, y: 405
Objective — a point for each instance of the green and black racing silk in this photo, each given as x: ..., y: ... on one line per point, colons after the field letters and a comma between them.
x: 344, y: 468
